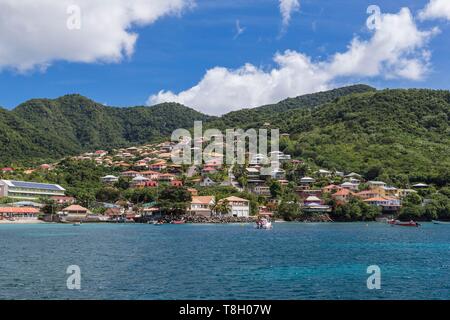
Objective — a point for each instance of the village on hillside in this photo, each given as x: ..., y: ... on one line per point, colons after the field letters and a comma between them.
x: 156, y: 189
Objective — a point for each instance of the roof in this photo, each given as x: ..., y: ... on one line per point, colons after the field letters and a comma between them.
x: 75, y: 207
x: 313, y: 198
x: 342, y: 192
x: 235, y: 199
x: 33, y: 185
x: 18, y: 210
x: 202, y: 199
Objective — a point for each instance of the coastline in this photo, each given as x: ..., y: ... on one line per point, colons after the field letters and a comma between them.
x: 23, y: 222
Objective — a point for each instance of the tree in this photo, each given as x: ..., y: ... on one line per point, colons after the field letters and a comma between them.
x: 174, y: 200
x: 222, y: 207
x: 275, y: 189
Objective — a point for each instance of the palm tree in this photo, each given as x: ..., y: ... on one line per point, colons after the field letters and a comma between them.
x: 222, y: 207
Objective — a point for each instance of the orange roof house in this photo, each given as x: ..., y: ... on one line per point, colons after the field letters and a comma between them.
x: 342, y: 195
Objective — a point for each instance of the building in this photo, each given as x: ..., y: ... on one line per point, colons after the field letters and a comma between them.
x: 238, y: 207
x: 342, y: 195
x: 74, y: 213
x: 29, y: 190
x: 202, y: 205
x: 109, y: 179
x: 19, y: 213
x: 307, y: 180
x: 207, y: 182
x: 387, y: 204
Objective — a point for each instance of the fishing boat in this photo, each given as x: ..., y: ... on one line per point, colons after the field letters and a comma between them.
x: 440, y: 222
x: 404, y: 223
x: 263, y: 224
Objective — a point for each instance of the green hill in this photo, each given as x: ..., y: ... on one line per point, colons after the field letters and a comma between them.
x: 48, y: 129
x: 398, y: 135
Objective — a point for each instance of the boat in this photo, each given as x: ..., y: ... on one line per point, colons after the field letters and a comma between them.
x: 404, y: 223
x: 76, y: 224
x: 440, y: 222
x: 263, y: 224
x: 158, y: 223
x: 178, y: 222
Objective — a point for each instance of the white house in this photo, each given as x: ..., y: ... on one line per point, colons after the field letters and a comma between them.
x: 109, y: 179
x: 238, y: 207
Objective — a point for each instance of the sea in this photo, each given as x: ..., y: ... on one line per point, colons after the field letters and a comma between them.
x: 293, y: 261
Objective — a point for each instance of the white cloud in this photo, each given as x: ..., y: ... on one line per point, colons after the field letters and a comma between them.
x: 287, y: 7
x: 397, y: 49
x: 34, y: 33
x: 436, y: 9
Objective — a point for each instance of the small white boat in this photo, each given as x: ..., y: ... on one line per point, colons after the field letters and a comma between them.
x: 76, y: 224
x: 440, y: 222
x: 263, y: 224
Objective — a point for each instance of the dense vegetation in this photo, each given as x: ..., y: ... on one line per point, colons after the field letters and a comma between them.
x: 399, y: 136
x: 42, y: 129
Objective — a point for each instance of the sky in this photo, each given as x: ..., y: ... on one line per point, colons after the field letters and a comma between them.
x: 217, y: 56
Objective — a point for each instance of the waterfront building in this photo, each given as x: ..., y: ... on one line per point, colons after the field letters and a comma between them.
x: 238, y: 207
x: 202, y: 205
x: 19, y: 213
x: 109, y: 179
x: 25, y: 190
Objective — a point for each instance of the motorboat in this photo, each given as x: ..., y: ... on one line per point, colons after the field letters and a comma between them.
x: 440, y: 222
x: 404, y: 223
x: 263, y: 224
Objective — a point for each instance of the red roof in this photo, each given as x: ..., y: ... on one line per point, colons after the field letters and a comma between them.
x: 18, y: 210
x: 8, y: 169
x: 343, y: 192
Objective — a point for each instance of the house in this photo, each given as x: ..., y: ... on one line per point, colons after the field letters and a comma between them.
x: 192, y: 191
x: 158, y: 166
x: 331, y: 188
x: 139, y: 181
x: 109, y: 179
x: 258, y: 159
x: 279, y: 156
x: 202, y: 205
x: 29, y: 190
x: 238, y: 207
x: 305, y: 193
x: 376, y: 184
x: 278, y: 174
x: 350, y: 186
x: 19, y: 213
x: 7, y: 170
x: 130, y: 174
x: 74, y: 212
x: 367, y: 194
x: 150, y: 174
x: 176, y: 183
x: 150, y: 184
x: 45, y: 166
x: 166, y: 177
x: 207, y: 182
x: 252, y: 173
x: 324, y: 173
x: 307, y: 180
x: 353, y: 175
x: 63, y: 199
x: 311, y: 200
x: 387, y: 204
x: 261, y: 190
x: 402, y: 193
x: 342, y: 196
x: 420, y: 186
x: 264, y: 211
x: 209, y: 169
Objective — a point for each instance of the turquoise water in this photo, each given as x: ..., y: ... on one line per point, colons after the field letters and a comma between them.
x: 292, y: 261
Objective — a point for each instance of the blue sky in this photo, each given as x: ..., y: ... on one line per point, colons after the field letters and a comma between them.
x: 174, y: 52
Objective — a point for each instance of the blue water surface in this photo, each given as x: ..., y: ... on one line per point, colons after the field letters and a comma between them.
x: 292, y: 261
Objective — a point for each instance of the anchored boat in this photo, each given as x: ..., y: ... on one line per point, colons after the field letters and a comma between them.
x: 440, y: 222
x: 403, y: 223
x: 263, y: 224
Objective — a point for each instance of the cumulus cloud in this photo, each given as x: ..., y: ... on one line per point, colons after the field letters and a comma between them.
x: 396, y: 49
x: 436, y: 9
x: 287, y: 7
x: 34, y: 33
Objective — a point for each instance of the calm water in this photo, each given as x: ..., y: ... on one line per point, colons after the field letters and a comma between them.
x: 293, y: 261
